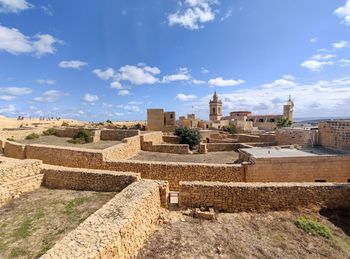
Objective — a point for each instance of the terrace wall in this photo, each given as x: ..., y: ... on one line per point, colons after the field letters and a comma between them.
x: 299, y: 169
x: 14, y: 169
x: 118, y: 135
x: 216, y: 147
x: 130, y: 147
x: 166, y: 148
x: 301, y: 137
x: 117, y: 230
x: 87, y: 179
x: 260, y: 197
x: 335, y: 134
x: 14, y: 150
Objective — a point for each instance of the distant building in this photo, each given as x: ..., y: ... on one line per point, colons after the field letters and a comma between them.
x: 215, y: 108
x: 158, y: 120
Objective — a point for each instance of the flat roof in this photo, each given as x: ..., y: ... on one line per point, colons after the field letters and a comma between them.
x: 266, y: 152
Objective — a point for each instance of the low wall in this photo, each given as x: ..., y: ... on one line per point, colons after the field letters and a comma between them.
x: 301, y: 137
x: 155, y: 137
x: 166, y: 148
x: 335, y: 134
x: 171, y: 139
x: 245, y: 138
x: 87, y: 179
x: 174, y: 172
x: 299, y: 169
x: 239, y: 197
x: 14, y: 169
x: 14, y: 189
x: 65, y: 156
x: 14, y: 150
x: 66, y: 132
x: 117, y: 230
x: 19, y: 134
x: 130, y: 147
x: 118, y: 135
x: 216, y: 147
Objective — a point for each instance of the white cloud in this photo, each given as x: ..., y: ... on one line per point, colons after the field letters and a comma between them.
x: 315, y: 65
x: 323, y: 56
x: 185, y: 98
x: 104, y: 75
x: 344, y: 62
x: 314, y: 39
x: 182, y: 75
x: 116, y: 85
x: 194, y: 15
x: 7, y: 109
x: 341, y: 44
x: 137, y: 75
x: 46, y: 81
x: 15, y: 42
x: 49, y: 96
x: 344, y: 12
x: 119, y: 114
x: 90, y: 98
x: 7, y: 97
x: 219, y: 81
x: 123, y: 92
x: 13, y: 6
x: 204, y: 70
x: 285, y: 81
x: 227, y: 15
x: 15, y: 90
x: 198, y: 82
x: 130, y: 108
x: 76, y: 64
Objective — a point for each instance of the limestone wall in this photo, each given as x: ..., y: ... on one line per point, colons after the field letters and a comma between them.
x: 117, y: 230
x: 14, y: 169
x: 68, y: 132
x: 171, y: 139
x: 245, y: 138
x: 65, y: 156
x: 19, y: 134
x: 155, y: 137
x: 301, y: 137
x: 14, y: 150
x: 87, y: 179
x: 118, y: 135
x: 166, y: 148
x: 260, y: 197
x: 174, y: 172
x: 335, y: 134
x: 130, y: 147
x: 216, y: 147
x: 299, y: 169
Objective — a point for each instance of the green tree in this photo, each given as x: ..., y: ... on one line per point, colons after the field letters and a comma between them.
x: 231, y: 129
x: 284, y: 122
x: 191, y: 137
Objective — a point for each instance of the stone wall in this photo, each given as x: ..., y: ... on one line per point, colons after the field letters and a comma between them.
x: 174, y: 172
x: 117, y: 230
x: 217, y: 147
x: 335, y: 134
x: 14, y: 150
x: 306, y: 138
x: 260, y: 197
x: 68, y: 132
x: 166, y: 148
x: 118, y: 135
x: 87, y: 179
x: 130, y: 147
x: 19, y: 134
x: 155, y: 137
x: 171, y: 139
x: 299, y: 169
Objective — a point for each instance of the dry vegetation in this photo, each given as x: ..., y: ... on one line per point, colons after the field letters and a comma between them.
x: 32, y: 224
x: 251, y: 235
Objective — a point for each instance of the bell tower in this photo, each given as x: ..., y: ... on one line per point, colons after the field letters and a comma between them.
x: 288, y: 109
x: 215, y: 108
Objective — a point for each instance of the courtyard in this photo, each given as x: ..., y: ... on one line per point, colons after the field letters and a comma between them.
x: 225, y: 157
x: 63, y: 142
x: 33, y: 223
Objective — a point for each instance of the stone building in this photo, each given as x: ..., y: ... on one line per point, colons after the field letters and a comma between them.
x: 158, y: 120
x: 215, y: 108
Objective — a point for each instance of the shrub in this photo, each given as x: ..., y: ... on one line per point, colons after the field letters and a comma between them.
x: 65, y: 124
x: 188, y: 136
x: 313, y: 227
x: 109, y: 122
x: 32, y: 136
x: 82, y: 137
x: 124, y: 127
x: 231, y: 129
x: 284, y: 122
x: 11, y: 139
x: 49, y: 132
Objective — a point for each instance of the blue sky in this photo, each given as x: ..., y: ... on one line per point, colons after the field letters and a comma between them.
x: 107, y: 59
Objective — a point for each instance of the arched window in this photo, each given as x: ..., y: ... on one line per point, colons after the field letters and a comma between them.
x: 213, y: 110
x: 261, y: 120
x: 272, y: 120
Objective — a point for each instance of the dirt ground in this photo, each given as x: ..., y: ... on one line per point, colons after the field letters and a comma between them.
x: 225, y: 157
x: 58, y: 141
x: 33, y: 223
x: 248, y: 235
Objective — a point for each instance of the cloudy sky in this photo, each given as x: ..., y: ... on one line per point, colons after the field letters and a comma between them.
x: 106, y: 59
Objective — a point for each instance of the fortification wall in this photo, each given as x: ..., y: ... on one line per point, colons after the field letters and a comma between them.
x: 301, y: 137
x: 260, y: 197
x: 130, y: 147
x: 175, y: 172
x: 118, y: 135
x: 299, y: 169
x: 14, y: 189
x: 14, y: 150
x: 335, y: 134
x: 117, y: 230
x: 14, y: 169
x: 87, y: 179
